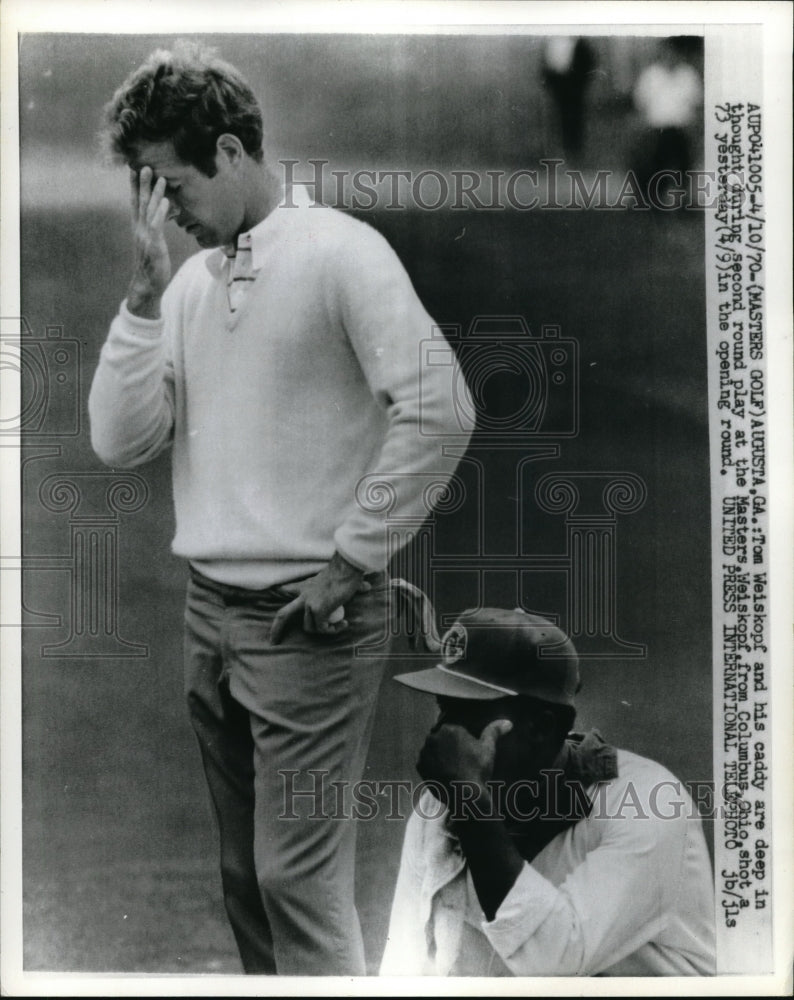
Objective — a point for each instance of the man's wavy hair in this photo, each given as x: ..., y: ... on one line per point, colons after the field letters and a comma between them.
x: 189, y: 97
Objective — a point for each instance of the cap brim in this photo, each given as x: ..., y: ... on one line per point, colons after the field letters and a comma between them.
x: 449, y: 685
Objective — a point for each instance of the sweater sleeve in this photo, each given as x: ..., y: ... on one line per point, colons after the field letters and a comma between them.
x: 131, y: 403
x: 389, y: 331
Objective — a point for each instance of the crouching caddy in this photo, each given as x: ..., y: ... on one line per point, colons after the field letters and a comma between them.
x: 534, y: 851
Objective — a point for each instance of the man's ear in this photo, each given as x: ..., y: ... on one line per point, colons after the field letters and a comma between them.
x: 230, y: 148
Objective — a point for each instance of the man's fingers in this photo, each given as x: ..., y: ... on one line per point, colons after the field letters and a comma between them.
x: 494, y: 730
x: 134, y: 194
x: 331, y: 628
x: 283, y: 617
x: 322, y: 625
x: 144, y: 192
x: 155, y: 201
x: 335, y: 622
x: 161, y: 214
x: 309, y: 624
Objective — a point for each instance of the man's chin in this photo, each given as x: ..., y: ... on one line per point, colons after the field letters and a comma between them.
x: 206, y: 240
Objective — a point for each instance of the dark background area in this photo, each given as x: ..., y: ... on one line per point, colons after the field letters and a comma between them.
x: 119, y: 841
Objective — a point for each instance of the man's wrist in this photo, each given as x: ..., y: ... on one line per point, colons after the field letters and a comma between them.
x: 468, y: 804
x: 345, y: 569
x: 143, y: 303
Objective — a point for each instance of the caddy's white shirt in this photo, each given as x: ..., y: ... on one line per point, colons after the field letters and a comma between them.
x: 627, y: 891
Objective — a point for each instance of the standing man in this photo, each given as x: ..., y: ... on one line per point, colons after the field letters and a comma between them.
x: 568, y: 69
x: 669, y: 98
x: 281, y: 365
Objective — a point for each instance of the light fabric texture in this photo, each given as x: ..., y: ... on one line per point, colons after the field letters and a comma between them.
x: 625, y: 892
x: 284, y: 414
x: 276, y: 726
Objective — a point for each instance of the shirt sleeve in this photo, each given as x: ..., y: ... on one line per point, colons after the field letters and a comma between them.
x: 644, y: 90
x: 618, y: 899
x: 390, y: 332
x: 131, y: 403
x: 406, y: 952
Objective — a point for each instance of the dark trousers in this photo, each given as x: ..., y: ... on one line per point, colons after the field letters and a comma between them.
x: 664, y: 149
x: 276, y: 725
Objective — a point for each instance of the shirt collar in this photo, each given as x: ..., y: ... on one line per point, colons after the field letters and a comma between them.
x: 587, y: 758
x: 219, y: 259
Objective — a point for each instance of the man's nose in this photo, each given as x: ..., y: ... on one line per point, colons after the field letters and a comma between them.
x: 173, y: 211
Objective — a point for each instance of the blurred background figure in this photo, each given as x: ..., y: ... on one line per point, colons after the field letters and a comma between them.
x: 568, y: 65
x: 668, y: 96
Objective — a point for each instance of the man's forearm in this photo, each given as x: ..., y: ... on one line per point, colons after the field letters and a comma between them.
x: 344, y: 569
x: 131, y: 404
x: 493, y: 859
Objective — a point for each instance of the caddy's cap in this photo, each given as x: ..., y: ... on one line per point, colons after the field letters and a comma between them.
x: 491, y: 652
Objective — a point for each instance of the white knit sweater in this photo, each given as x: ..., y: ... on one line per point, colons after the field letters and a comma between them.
x: 276, y: 413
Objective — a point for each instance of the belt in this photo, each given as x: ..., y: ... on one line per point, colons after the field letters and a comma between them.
x: 232, y: 594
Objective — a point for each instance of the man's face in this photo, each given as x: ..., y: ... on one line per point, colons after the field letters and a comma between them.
x: 209, y: 208
x: 513, y: 749
x: 521, y: 752
x: 470, y: 713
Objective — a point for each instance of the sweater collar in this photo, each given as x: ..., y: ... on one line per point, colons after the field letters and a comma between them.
x: 218, y: 260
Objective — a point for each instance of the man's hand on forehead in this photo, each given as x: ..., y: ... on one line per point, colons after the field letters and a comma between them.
x: 152, y: 268
x: 145, y: 185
